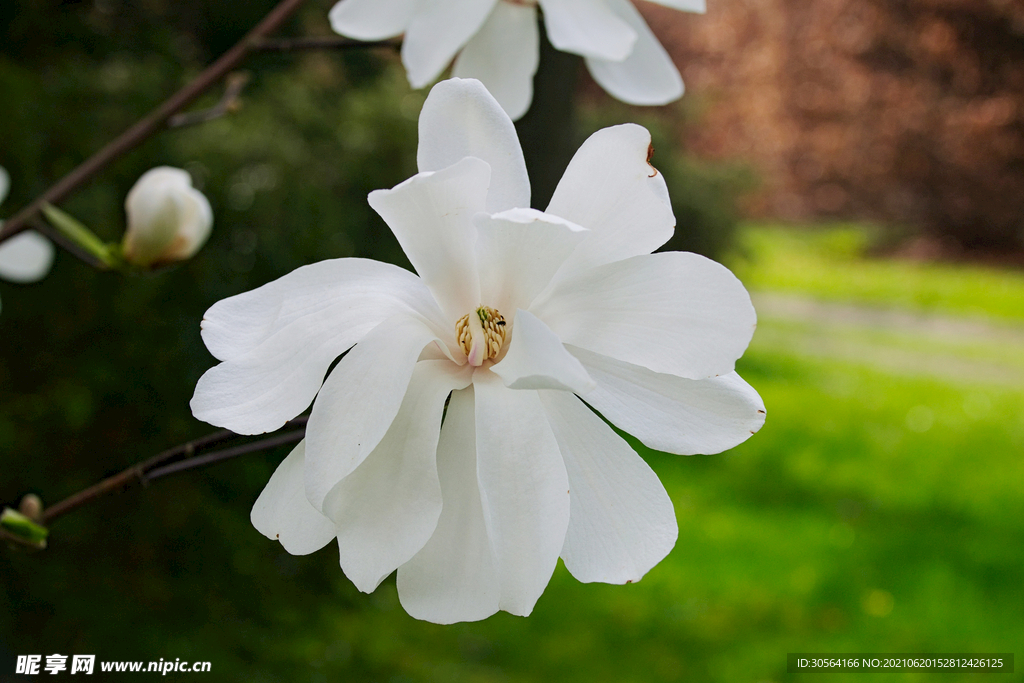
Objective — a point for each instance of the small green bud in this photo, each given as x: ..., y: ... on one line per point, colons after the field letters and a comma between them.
x: 24, y: 528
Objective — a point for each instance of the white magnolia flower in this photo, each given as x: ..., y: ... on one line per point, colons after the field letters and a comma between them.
x: 168, y: 219
x: 499, y: 43
x: 515, y: 314
x: 27, y: 256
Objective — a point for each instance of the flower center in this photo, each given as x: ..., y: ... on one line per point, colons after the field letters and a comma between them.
x: 481, y: 334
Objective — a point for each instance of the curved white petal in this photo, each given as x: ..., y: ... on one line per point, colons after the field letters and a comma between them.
x: 278, y: 340
x: 536, y: 359
x: 5, y: 183
x: 359, y: 401
x: 647, y: 76
x: 461, y: 119
x: 698, y: 6
x: 348, y: 292
x: 587, y: 27
x: 282, y: 512
x: 524, y: 489
x: 26, y: 257
x: 194, y: 229
x: 621, y: 522
x: 504, y: 55
x: 672, y: 414
x: 387, y: 509
x: 455, y: 576
x: 518, y: 252
x: 435, y: 34
x: 610, y: 189
x: 431, y: 215
x: 372, y: 19
x: 671, y: 312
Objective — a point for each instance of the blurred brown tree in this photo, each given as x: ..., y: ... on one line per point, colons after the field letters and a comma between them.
x: 908, y: 112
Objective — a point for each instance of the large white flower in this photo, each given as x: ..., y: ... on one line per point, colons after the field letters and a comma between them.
x: 515, y: 314
x: 27, y: 256
x: 499, y: 42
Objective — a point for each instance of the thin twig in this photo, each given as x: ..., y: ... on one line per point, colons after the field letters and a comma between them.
x: 135, y: 472
x: 230, y: 102
x: 154, y: 122
x: 319, y: 43
x: 225, y: 454
x: 17, y: 540
x: 157, y: 466
x: 54, y: 235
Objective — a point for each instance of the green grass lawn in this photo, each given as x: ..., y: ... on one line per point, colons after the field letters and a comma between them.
x: 830, y: 264
x: 876, y: 511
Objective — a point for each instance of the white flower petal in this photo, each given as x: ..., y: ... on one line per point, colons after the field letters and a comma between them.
x: 587, y: 27
x: 672, y: 414
x: 337, y: 293
x: 647, y: 76
x: 435, y: 34
x: 610, y: 189
x: 5, y: 184
x: 671, y: 312
x: 536, y: 359
x: 372, y: 19
x: 278, y: 340
x: 524, y: 489
x: 387, y: 509
x: 461, y: 119
x: 26, y: 257
x: 455, y: 576
x: 359, y: 401
x: 621, y: 521
x: 504, y: 55
x: 698, y: 6
x: 518, y: 252
x: 193, y: 230
x: 282, y: 512
x: 431, y: 215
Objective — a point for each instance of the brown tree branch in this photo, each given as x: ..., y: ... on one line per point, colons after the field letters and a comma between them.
x: 230, y: 102
x: 163, y: 464
x: 320, y: 43
x: 152, y: 123
x: 225, y: 454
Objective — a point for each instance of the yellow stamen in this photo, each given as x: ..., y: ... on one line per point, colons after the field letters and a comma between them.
x: 481, y: 334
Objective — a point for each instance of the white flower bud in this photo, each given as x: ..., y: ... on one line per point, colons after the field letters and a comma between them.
x: 168, y: 219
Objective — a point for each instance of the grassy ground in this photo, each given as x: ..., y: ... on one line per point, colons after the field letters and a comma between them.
x: 831, y: 264
x: 878, y: 510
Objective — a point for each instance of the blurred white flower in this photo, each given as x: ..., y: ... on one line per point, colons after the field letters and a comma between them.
x: 168, y: 219
x: 27, y: 256
x: 514, y: 314
x: 499, y: 43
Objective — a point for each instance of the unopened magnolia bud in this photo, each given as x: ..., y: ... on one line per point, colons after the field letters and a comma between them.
x: 168, y: 219
x: 32, y: 507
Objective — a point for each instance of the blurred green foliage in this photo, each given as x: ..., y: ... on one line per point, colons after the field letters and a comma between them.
x: 802, y: 538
